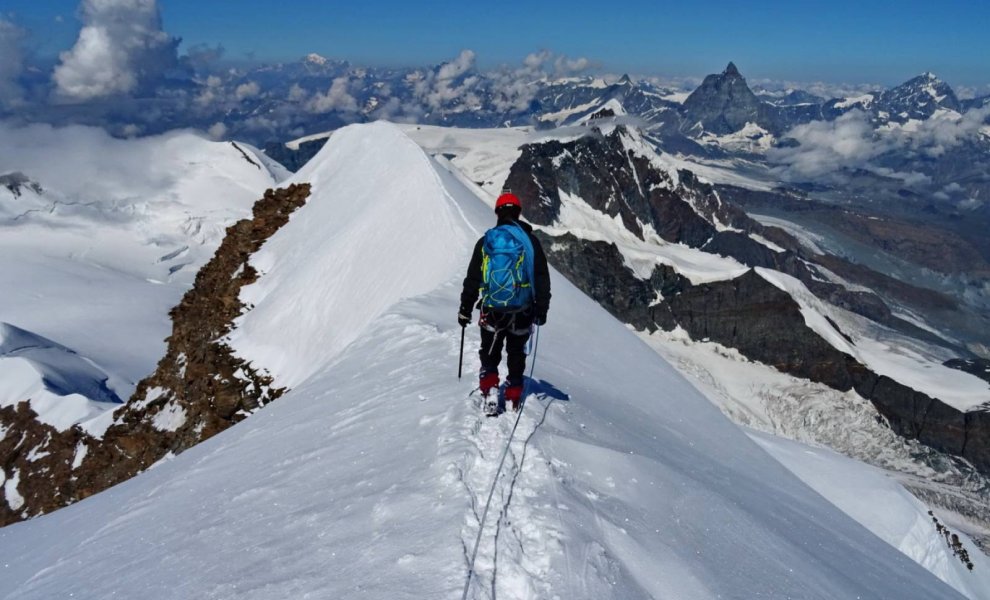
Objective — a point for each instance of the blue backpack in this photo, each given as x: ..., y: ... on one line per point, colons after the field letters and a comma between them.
x: 507, y: 268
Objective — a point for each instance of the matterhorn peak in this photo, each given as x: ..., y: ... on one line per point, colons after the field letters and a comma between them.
x: 731, y: 70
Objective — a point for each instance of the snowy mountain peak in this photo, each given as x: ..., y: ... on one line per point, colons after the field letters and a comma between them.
x: 316, y: 59
x: 918, y: 98
x: 723, y: 103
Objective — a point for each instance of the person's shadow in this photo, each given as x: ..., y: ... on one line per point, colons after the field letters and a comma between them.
x: 544, y: 388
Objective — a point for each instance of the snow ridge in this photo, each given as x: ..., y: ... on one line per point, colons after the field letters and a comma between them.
x: 348, y: 254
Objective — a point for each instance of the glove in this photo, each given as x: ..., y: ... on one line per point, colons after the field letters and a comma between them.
x: 463, y: 319
x: 540, y: 320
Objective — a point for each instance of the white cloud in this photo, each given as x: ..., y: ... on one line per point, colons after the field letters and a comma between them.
x: 247, y: 90
x: 11, y: 64
x: 819, y: 88
x: 336, y: 98
x: 564, y: 66
x: 942, y: 132
x: 84, y: 161
x: 557, y: 65
x: 457, y: 67
x: 440, y: 88
x: 297, y: 93
x: 454, y: 86
x: 826, y: 148
x: 217, y: 131
x: 535, y: 60
x: 970, y: 91
x: 121, y: 49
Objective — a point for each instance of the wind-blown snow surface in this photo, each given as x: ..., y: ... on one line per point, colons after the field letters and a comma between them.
x: 116, y: 236
x: 366, y: 480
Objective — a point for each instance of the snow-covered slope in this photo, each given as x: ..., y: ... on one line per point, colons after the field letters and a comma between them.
x: 367, y: 479
x: 62, y: 387
x: 377, y: 258
x: 882, y: 505
x: 117, y: 233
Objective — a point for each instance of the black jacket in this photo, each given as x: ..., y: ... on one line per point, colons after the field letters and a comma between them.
x: 541, y: 287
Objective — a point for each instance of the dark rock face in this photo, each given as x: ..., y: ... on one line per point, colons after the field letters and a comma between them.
x: 294, y: 160
x: 766, y: 325
x: 616, y: 181
x: 917, y: 98
x: 747, y: 313
x: 761, y: 321
x: 198, y: 389
x: 17, y: 182
x: 979, y: 367
x: 723, y: 104
x: 610, y: 179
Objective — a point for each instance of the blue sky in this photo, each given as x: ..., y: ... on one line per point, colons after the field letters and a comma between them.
x: 879, y: 41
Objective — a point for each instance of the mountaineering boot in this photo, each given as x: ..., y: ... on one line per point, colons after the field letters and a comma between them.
x: 488, y: 385
x: 487, y: 381
x: 513, y: 392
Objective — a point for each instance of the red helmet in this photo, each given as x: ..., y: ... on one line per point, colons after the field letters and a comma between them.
x: 507, y: 199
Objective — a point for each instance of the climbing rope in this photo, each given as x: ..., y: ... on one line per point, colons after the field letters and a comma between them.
x: 501, y: 462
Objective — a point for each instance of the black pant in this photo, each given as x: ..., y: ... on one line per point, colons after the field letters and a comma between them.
x: 512, y: 330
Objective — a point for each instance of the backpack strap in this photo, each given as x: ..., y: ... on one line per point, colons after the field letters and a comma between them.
x: 522, y: 237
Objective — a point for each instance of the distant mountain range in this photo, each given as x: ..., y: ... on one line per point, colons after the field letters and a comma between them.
x: 915, y: 156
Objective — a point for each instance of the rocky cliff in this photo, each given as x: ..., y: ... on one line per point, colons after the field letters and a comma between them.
x: 747, y: 313
x: 198, y: 389
x: 766, y: 325
x: 614, y: 179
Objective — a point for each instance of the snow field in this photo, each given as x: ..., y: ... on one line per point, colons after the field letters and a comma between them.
x: 906, y: 362
x: 97, y: 260
x: 62, y: 387
x: 522, y: 534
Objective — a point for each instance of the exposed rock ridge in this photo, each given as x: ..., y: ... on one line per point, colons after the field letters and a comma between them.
x: 198, y: 389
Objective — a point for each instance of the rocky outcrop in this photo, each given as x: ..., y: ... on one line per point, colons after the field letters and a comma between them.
x: 620, y: 183
x: 601, y: 171
x: 17, y: 182
x: 198, y: 389
x: 614, y: 288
